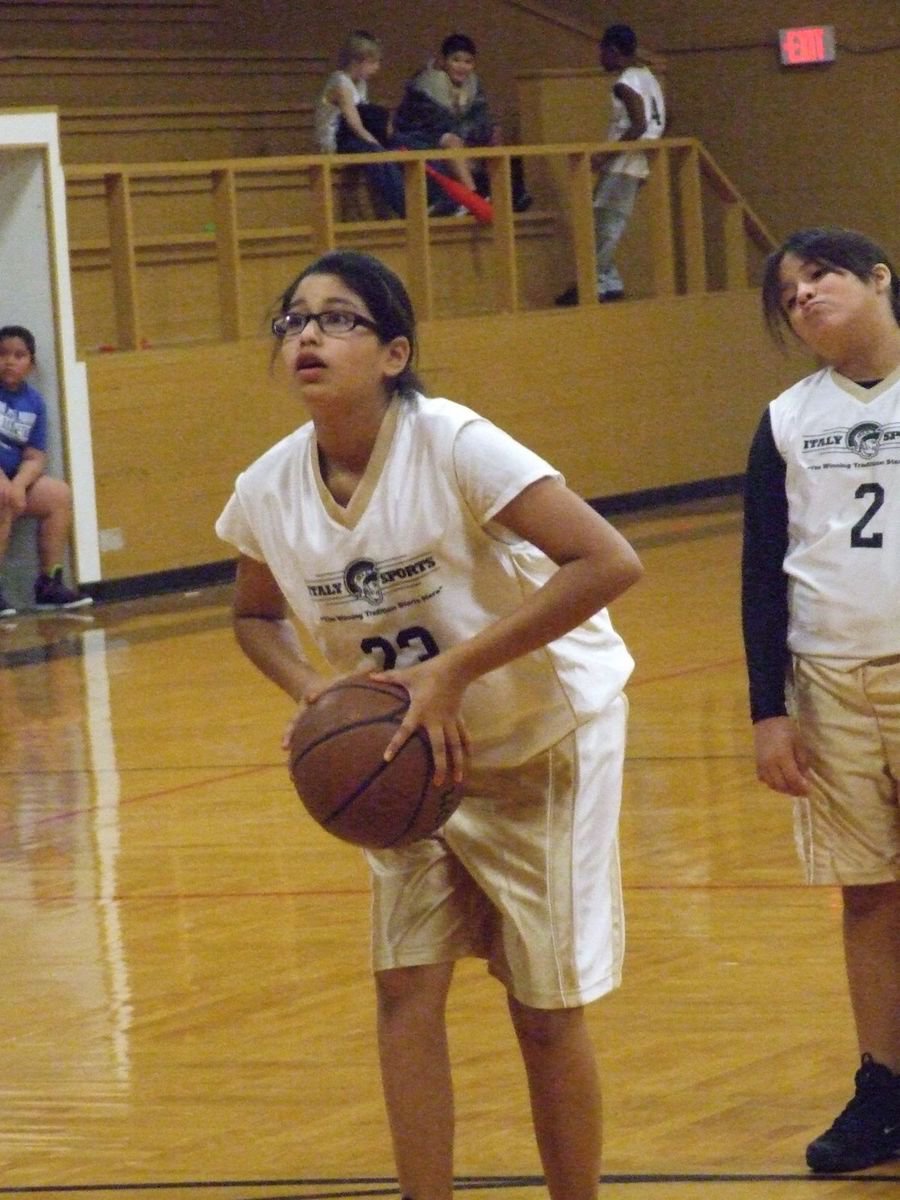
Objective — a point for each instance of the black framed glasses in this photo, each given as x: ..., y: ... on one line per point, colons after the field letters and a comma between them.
x: 334, y: 322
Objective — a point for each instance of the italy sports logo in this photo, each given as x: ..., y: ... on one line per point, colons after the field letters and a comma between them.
x: 865, y: 440
x: 371, y: 581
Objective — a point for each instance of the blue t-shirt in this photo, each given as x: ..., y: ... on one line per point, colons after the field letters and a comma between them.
x: 23, y: 423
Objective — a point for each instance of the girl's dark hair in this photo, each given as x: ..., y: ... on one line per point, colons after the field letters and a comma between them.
x: 843, y: 249
x: 19, y: 331
x: 383, y: 294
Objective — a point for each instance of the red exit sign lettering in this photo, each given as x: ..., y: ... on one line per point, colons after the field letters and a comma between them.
x: 809, y: 44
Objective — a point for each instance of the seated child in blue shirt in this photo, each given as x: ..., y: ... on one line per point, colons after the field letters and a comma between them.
x: 25, y: 489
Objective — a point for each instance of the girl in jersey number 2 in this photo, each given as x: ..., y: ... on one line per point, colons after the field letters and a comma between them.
x: 821, y: 609
x: 487, y: 581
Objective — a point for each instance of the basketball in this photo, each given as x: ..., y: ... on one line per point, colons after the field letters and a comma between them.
x: 336, y: 761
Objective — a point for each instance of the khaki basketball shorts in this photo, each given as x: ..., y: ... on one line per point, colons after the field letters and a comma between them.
x: 848, y: 826
x: 524, y: 874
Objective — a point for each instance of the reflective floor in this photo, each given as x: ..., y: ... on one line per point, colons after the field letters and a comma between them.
x: 187, y: 1005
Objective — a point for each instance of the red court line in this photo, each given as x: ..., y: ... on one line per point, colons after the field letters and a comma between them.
x: 679, y: 674
x: 163, y: 792
x: 323, y: 893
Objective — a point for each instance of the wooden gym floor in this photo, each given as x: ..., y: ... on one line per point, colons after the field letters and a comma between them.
x: 186, y: 1009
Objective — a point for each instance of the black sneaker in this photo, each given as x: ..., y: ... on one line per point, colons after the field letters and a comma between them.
x: 568, y: 298
x: 868, y: 1130
x: 50, y: 593
x: 6, y: 609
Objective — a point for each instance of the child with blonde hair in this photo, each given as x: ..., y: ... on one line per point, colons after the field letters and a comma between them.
x: 347, y: 123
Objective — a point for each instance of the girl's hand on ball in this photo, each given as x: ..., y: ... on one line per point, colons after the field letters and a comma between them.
x: 435, y: 697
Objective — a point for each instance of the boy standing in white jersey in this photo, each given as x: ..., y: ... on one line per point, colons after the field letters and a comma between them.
x: 638, y: 111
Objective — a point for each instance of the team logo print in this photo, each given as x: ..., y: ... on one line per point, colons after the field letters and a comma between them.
x: 361, y: 580
x: 864, y: 439
x: 371, y: 584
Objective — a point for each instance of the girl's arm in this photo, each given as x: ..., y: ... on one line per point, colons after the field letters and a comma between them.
x: 266, y: 634
x: 781, y: 759
x: 596, y: 564
x: 343, y: 98
x: 764, y: 585
x: 634, y: 106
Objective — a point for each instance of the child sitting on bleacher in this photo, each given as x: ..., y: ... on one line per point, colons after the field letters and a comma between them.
x: 445, y: 106
x: 347, y: 123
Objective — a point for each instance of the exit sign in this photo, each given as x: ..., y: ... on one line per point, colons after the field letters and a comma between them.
x: 806, y: 44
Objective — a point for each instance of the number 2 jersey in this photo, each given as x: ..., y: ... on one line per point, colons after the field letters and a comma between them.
x: 821, y: 564
x: 415, y: 564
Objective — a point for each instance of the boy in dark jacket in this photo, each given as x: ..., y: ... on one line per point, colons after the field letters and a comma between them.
x: 445, y: 107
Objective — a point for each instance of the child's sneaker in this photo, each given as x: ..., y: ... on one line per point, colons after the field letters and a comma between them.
x: 446, y: 207
x: 6, y: 609
x: 868, y: 1130
x: 50, y: 592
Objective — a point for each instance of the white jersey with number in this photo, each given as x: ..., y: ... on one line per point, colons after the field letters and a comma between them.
x: 415, y: 564
x: 841, y: 446
x: 644, y: 82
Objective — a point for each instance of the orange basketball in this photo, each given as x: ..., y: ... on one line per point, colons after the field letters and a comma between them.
x: 336, y: 762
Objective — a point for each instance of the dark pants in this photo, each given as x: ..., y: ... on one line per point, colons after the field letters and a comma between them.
x: 385, y: 179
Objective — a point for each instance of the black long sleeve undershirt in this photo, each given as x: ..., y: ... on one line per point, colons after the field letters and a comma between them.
x: 764, y: 582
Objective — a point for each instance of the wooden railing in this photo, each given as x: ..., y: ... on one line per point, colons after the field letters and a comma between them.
x: 685, y: 235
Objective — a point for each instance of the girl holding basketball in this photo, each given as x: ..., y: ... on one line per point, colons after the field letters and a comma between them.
x: 420, y: 543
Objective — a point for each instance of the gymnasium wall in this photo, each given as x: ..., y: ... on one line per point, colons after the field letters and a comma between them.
x: 625, y: 398
x: 655, y: 394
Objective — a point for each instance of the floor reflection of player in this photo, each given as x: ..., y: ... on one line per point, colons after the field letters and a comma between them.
x: 60, y: 944
x: 46, y: 760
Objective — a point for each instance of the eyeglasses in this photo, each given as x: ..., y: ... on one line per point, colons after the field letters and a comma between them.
x: 334, y: 322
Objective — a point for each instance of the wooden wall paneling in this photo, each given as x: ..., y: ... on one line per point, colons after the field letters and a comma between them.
x: 505, y: 261
x: 168, y: 427
x: 169, y: 132
x: 581, y: 186
x: 322, y: 215
x: 690, y: 201
x: 659, y: 195
x: 227, y: 252
x: 275, y: 198
x: 418, y: 247
x: 189, y: 12
x: 131, y: 78
x: 736, y: 273
x: 122, y: 260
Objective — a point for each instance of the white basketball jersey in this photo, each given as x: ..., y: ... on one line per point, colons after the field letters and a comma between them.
x: 841, y: 444
x: 413, y: 565
x: 644, y: 82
